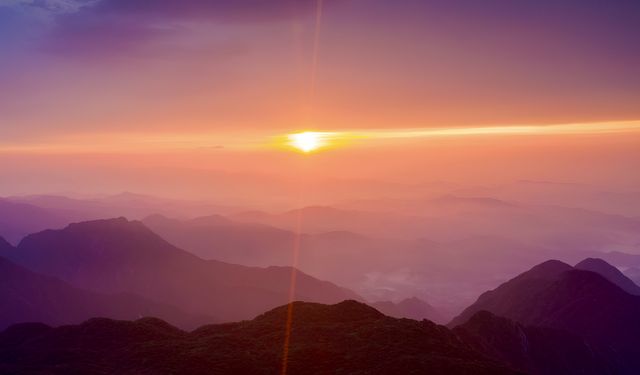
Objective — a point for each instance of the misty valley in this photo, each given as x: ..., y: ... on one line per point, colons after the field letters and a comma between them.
x: 454, y: 282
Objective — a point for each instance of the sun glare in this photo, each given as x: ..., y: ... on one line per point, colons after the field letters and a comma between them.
x: 308, y: 141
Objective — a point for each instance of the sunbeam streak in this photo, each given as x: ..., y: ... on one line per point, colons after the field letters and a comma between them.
x: 306, y: 142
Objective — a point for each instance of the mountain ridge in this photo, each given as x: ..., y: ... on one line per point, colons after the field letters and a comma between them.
x: 582, y: 302
x: 348, y: 337
x: 117, y: 255
x: 30, y: 297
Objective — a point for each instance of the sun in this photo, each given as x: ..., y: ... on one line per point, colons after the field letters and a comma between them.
x: 307, y: 141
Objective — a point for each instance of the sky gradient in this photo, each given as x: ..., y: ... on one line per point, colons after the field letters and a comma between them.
x: 210, y: 85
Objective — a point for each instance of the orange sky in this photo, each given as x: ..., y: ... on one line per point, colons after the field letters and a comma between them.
x: 109, y: 96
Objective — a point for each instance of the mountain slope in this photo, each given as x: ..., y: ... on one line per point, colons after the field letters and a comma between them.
x: 347, y: 338
x: 125, y: 256
x: 19, y: 219
x: 535, y: 350
x: 512, y: 298
x: 29, y: 297
x: 411, y: 308
x: 610, y: 273
x: 215, y: 237
x: 634, y: 274
x: 5, y: 246
x: 582, y: 302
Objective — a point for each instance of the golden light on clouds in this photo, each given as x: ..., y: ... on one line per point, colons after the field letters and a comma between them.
x: 311, y: 141
x: 305, y: 141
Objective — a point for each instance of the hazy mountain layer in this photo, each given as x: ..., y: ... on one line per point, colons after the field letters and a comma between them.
x: 117, y: 255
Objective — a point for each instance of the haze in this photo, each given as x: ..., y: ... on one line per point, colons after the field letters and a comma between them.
x: 213, y: 161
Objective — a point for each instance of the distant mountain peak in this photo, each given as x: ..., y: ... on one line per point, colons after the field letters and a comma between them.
x: 410, y: 308
x: 549, y: 268
x: 481, y: 201
x: 156, y: 217
x: 316, y: 210
x: 117, y: 229
x: 610, y: 273
x: 129, y: 195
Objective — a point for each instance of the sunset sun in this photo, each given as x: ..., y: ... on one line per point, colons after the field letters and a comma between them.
x: 308, y: 141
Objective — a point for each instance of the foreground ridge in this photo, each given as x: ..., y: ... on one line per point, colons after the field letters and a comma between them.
x: 347, y: 338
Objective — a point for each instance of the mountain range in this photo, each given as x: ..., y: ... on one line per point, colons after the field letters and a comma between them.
x: 552, y: 319
x: 346, y: 338
x: 26, y: 296
x: 469, y: 241
x: 121, y: 256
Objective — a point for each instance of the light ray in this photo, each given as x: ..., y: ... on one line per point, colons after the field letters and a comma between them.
x: 306, y: 143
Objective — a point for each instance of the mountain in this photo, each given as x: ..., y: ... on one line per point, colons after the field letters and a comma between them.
x: 321, y: 219
x: 26, y: 296
x: 19, y: 219
x: 131, y: 205
x: 634, y: 274
x: 5, y: 246
x: 535, y: 350
x: 555, y: 295
x: 216, y: 237
x: 346, y: 338
x: 451, y: 218
x: 410, y: 308
x: 450, y: 275
x: 442, y: 203
x: 509, y: 298
x: 118, y: 255
x: 610, y: 273
x: 568, y: 194
x: 620, y: 259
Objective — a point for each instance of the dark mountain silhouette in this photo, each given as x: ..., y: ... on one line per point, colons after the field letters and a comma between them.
x: 535, y: 350
x: 26, y: 296
x: 125, y: 256
x: 411, y: 308
x: 5, y: 246
x: 555, y: 295
x: 508, y: 299
x: 634, y: 274
x: 610, y: 273
x: 346, y: 338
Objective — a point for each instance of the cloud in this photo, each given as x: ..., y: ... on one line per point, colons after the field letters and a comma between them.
x: 57, y: 6
x: 222, y: 10
x: 123, y: 27
x: 77, y: 34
